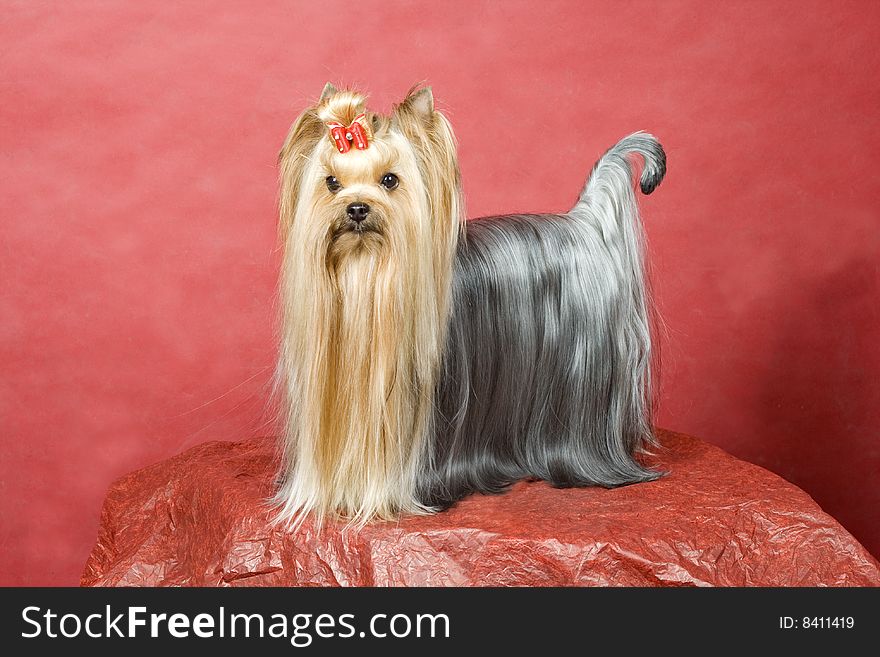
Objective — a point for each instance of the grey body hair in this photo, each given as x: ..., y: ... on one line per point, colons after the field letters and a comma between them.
x: 547, y: 368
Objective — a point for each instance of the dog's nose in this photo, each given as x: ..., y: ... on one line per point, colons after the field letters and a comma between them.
x: 357, y: 211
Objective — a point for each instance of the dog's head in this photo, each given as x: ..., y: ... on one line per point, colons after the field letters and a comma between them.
x: 357, y: 184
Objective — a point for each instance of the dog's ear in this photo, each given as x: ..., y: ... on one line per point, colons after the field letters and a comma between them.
x: 419, y: 102
x: 329, y: 90
x: 295, y: 156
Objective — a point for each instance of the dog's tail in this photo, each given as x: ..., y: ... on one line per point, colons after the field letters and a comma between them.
x: 610, y: 181
x: 608, y: 204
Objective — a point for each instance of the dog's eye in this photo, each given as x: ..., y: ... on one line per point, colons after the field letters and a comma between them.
x: 389, y: 181
x: 333, y: 184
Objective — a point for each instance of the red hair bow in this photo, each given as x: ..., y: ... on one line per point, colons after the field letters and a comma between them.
x: 355, y: 133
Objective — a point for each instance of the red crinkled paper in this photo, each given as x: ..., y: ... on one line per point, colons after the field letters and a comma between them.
x: 201, y: 519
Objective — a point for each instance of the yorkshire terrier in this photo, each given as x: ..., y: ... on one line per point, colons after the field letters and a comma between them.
x: 424, y: 358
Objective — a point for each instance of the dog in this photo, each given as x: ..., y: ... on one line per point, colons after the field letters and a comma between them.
x: 424, y: 358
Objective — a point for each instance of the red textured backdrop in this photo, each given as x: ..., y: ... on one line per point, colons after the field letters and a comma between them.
x: 137, y: 246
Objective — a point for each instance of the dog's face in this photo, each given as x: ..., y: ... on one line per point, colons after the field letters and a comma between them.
x: 371, y: 201
x: 396, y: 198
